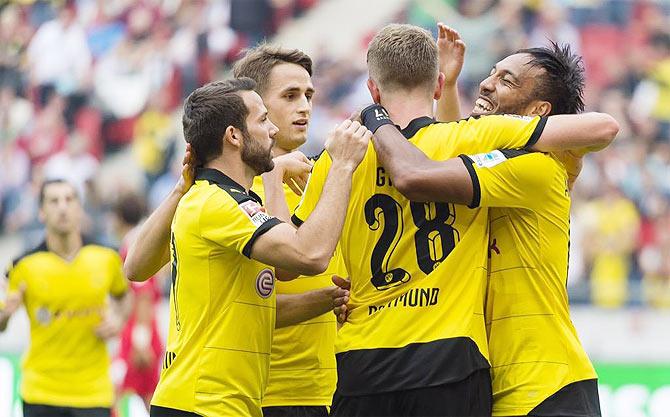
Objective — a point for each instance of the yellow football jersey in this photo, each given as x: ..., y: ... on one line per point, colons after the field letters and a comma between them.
x: 302, y: 364
x: 533, y: 346
x: 222, y: 303
x: 418, y: 270
x: 66, y: 364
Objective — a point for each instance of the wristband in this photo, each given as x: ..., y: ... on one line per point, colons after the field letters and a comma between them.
x: 375, y: 116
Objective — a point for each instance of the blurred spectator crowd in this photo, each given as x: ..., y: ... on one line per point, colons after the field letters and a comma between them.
x: 90, y: 90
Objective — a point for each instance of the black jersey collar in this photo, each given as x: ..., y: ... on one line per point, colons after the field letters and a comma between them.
x: 416, y: 125
x: 43, y: 247
x: 214, y: 176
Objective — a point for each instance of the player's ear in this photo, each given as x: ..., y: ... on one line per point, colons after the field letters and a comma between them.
x: 233, y: 136
x: 539, y: 108
x: 374, y: 91
x: 439, y: 86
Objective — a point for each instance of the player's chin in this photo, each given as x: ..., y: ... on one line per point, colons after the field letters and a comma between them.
x: 298, y: 137
x: 269, y: 166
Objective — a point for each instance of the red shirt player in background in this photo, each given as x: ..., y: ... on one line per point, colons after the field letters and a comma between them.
x: 140, y: 346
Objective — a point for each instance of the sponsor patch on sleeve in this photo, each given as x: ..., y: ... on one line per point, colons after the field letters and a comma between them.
x: 255, y: 212
x: 489, y: 159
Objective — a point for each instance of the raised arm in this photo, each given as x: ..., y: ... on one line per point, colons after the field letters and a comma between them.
x: 451, y: 52
x: 308, y: 249
x: 151, y: 249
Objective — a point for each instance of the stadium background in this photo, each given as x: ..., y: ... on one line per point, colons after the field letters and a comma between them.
x: 100, y: 105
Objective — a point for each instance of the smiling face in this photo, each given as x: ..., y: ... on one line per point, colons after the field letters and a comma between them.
x: 509, y: 87
x: 288, y: 98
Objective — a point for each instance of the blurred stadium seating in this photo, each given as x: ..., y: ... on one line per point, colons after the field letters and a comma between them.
x: 91, y: 91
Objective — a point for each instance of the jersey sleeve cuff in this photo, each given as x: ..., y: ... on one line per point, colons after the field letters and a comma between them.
x: 246, y: 251
x: 296, y: 221
x: 476, y: 187
x: 537, y: 132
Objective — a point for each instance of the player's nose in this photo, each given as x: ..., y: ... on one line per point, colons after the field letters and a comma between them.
x: 487, y: 85
x: 273, y: 130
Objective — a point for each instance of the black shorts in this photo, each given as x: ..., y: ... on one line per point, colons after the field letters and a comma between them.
x: 296, y: 411
x: 41, y: 410
x: 470, y: 397
x: 579, y: 399
x: 157, y: 411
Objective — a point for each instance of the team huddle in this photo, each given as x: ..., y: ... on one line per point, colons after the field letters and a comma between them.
x: 447, y: 240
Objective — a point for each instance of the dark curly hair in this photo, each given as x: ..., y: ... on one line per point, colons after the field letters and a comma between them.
x: 562, y: 83
x: 209, y: 110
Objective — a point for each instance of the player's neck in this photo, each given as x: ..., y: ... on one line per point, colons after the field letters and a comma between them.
x: 403, y: 108
x: 64, y: 245
x: 277, y: 151
x: 234, y: 169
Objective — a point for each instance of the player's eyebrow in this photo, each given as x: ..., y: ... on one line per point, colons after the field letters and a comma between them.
x: 508, y: 72
x: 296, y: 89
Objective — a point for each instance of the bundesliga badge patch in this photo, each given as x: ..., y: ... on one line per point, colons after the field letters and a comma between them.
x: 265, y: 283
x: 488, y: 160
x: 255, y: 212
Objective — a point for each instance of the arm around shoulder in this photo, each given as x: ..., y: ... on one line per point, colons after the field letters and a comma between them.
x: 588, y: 132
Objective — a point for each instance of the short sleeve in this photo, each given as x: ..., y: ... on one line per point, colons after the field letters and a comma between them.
x: 512, y: 178
x: 9, y: 271
x: 312, y: 193
x: 14, y: 276
x: 234, y: 223
x: 119, y: 284
x: 488, y: 133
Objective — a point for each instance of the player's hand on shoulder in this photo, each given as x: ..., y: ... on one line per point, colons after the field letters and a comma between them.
x: 356, y: 116
x: 187, y: 177
x: 340, y: 297
x: 295, y: 168
x: 348, y: 143
x: 451, y: 53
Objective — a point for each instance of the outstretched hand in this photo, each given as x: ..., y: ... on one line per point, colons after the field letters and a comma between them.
x: 451, y: 53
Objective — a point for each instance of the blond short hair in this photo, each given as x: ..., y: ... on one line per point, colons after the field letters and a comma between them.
x: 403, y: 56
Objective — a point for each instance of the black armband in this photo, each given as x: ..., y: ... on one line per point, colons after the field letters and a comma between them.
x: 375, y: 116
